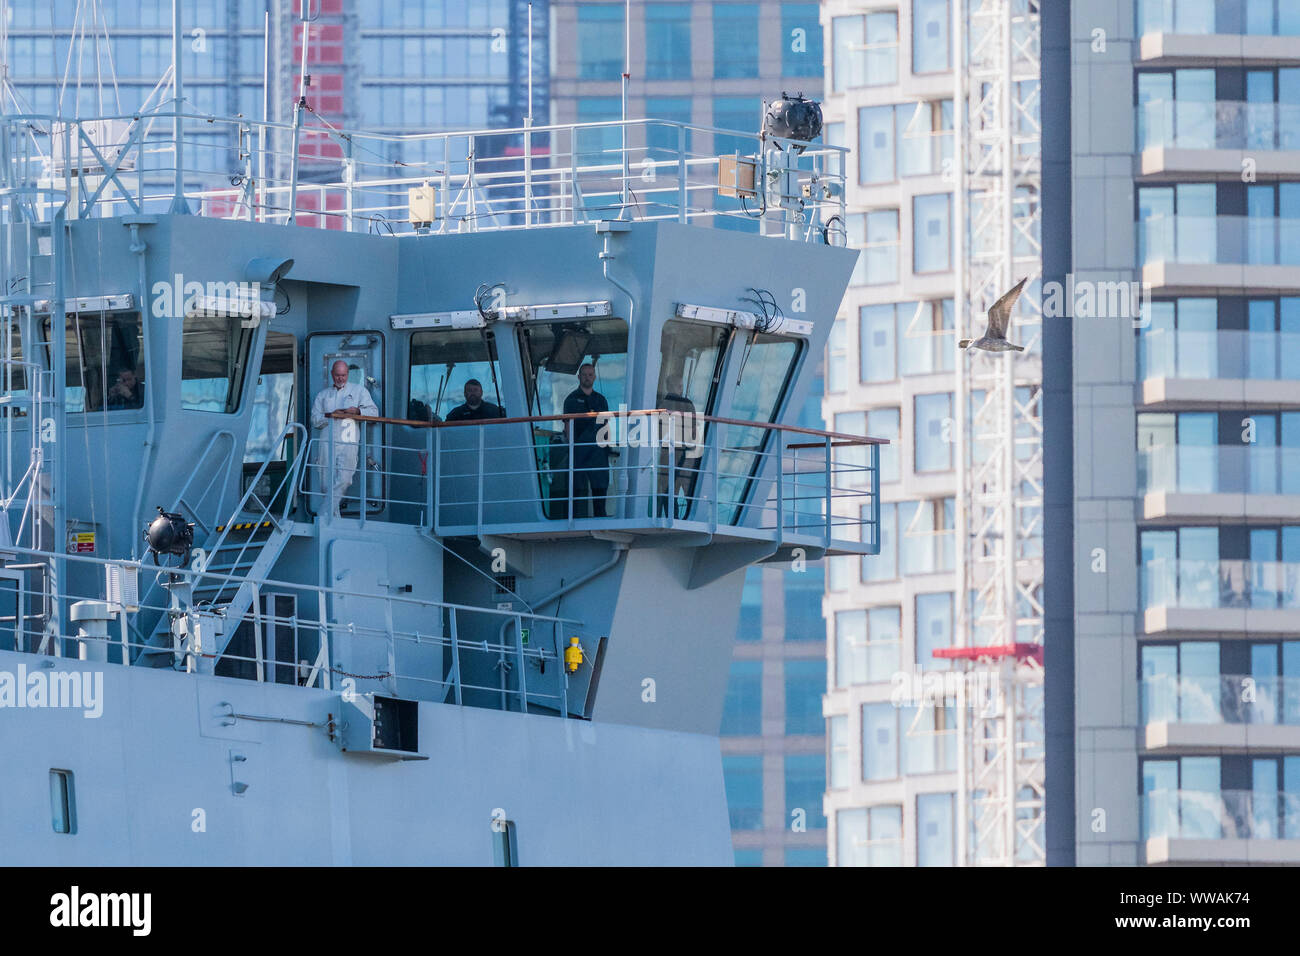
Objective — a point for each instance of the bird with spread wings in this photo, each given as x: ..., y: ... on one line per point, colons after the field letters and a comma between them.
x: 994, y: 338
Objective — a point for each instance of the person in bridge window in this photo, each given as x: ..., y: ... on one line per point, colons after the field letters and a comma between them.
x: 474, y: 408
x: 349, y: 398
x: 590, y: 459
x: 127, y: 391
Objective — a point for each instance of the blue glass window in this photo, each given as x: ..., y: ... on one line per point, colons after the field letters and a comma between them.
x: 932, y: 432
x: 876, y: 332
x: 875, y: 145
x: 805, y: 856
x: 803, y: 603
x: 805, y: 782
x: 751, y: 606
x: 668, y: 41
x: 740, y: 113
x: 926, y: 336
x: 735, y: 40
x: 805, y: 683
x: 884, y: 566
x: 596, y: 146
x: 662, y: 141
x: 930, y: 46
x: 879, y: 741
x: 931, y: 235
x: 600, y: 41
x: 742, y: 710
x: 749, y: 857
x: 801, y: 39
x: 881, y: 248
x: 743, y: 778
x: 837, y: 744
x: 933, y: 629
x: 935, y: 830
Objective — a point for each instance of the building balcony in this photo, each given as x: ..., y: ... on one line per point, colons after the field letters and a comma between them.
x: 1219, y: 253
x: 1208, y: 32
x: 1224, y: 827
x: 1227, y: 598
x: 1228, y: 713
x: 1218, y: 368
x: 1200, y: 140
x: 1242, y: 483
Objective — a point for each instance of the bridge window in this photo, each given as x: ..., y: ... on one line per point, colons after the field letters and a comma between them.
x: 553, y: 355
x: 214, y: 359
x: 690, y: 367
x: 105, y: 361
x: 766, y: 367
x: 442, y: 361
x: 273, y: 401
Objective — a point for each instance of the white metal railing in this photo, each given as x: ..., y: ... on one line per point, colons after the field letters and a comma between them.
x: 237, y: 168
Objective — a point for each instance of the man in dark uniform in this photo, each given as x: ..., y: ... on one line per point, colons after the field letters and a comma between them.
x: 590, y: 460
x: 474, y: 408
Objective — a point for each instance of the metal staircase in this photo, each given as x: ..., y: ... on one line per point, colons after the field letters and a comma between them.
x: 232, y: 562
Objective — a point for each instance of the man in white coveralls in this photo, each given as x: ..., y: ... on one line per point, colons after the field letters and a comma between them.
x: 341, y: 396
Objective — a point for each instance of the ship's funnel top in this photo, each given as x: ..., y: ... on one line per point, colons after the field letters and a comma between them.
x: 269, y: 270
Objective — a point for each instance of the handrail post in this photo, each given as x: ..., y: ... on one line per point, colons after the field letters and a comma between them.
x: 780, y: 490
x: 681, y: 174
x: 713, y: 495
x: 829, y: 519
x: 573, y: 176
x: 556, y: 641
x: 430, y: 486
x: 455, y: 656
x: 670, y: 505
x: 875, y: 494
x: 363, y: 459
x: 349, y: 172
x: 523, y: 671
x: 480, y: 431
x: 329, y: 471
x: 569, y: 429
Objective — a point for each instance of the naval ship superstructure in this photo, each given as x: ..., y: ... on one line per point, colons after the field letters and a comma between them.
x: 471, y: 654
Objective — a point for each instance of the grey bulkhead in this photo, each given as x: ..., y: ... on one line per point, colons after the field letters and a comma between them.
x: 658, y: 627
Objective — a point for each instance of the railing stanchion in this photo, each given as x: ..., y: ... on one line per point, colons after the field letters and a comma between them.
x: 557, y: 639
x: 455, y: 655
x: 431, y: 486
x: 780, y: 491
x: 569, y: 429
x: 523, y: 671
x: 829, y: 518
x: 363, y: 469
x: 480, y: 479
x: 681, y: 175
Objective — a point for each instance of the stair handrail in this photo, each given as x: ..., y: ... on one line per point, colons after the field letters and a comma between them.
x: 289, y: 480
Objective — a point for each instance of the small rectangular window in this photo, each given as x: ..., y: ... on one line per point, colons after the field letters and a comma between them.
x: 214, y: 358
x: 104, y: 361
x: 63, y: 803
x: 505, y: 851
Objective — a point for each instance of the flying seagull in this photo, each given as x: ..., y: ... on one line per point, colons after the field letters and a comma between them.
x: 995, y: 339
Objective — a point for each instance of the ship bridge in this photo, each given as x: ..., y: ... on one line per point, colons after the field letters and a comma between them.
x: 587, y: 352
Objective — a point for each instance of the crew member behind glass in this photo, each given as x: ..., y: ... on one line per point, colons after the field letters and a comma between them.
x: 349, y: 398
x: 590, y: 459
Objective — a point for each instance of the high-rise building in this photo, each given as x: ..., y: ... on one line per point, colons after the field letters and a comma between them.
x: 1173, y: 518
x: 432, y: 66
x: 711, y: 65
x: 934, y: 749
